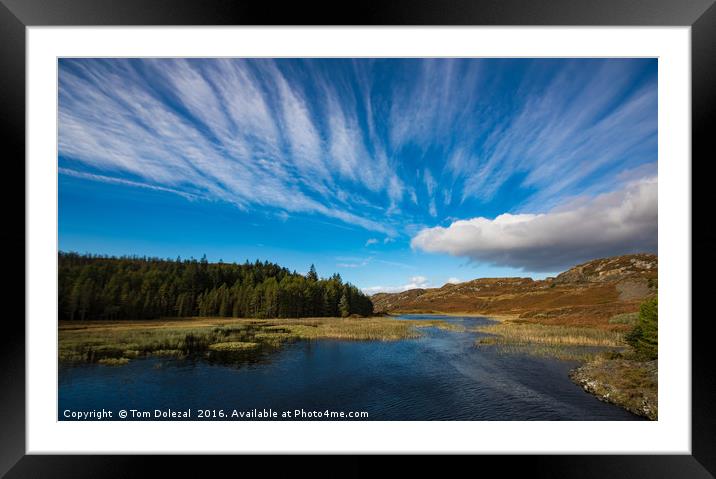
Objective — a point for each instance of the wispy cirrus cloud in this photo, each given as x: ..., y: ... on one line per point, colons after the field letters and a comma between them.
x: 360, y: 262
x: 219, y: 129
x: 564, y: 134
x: 120, y: 181
x: 415, y: 282
x: 343, y: 139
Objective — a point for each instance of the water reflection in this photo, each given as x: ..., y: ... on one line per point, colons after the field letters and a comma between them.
x: 440, y: 376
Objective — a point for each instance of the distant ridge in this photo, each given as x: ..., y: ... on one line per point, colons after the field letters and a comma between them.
x: 590, y: 293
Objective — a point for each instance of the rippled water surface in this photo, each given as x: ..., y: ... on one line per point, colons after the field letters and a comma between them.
x: 440, y: 376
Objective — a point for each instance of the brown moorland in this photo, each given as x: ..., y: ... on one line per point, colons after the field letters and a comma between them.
x: 598, y: 293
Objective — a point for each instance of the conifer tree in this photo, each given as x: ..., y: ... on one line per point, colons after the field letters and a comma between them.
x: 99, y: 287
x: 344, y: 305
x: 312, y: 275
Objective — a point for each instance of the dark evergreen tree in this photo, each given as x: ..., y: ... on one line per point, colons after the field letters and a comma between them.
x: 312, y: 275
x: 100, y: 287
x: 344, y: 305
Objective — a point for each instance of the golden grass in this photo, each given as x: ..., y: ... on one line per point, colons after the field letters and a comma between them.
x: 440, y: 324
x: 511, y: 333
x: 562, y: 342
x: 561, y: 352
x: 124, y: 340
x: 630, y: 319
x: 233, y: 346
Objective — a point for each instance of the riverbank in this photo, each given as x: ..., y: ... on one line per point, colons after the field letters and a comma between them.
x: 562, y: 342
x: 117, y: 342
x: 439, y: 376
x: 607, y: 368
x: 628, y: 383
x: 495, y: 317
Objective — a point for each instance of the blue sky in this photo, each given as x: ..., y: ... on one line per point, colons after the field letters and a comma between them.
x: 396, y: 173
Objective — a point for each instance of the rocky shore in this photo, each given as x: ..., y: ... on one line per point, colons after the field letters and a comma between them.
x: 628, y: 383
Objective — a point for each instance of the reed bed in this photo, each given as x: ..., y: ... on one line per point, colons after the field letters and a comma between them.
x: 233, y: 346
x: 118, y: 342
x: 562, y: 342
x: 509, y: 333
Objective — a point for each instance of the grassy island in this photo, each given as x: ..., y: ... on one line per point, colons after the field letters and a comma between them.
x: 116, y: 342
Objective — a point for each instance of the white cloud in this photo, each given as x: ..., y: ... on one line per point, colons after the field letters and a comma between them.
x: 427, y: 109
x: 413, y: 196
x: 453, y: 280
x: 120, y: 181
x: 432, y: 209
x: 371, y: 241
x: 614, y: 223
x: 352, y: 261
x: 563, y: 132
x: 416, y: 282
x: 302, y: 134
x: 299, y: 138
x: 447, y: 196
x: 430, y: 182
x: 350, y: 265
x: 218, y: 130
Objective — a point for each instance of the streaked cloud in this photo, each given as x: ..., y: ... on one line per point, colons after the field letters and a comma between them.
x: 224, y: 129
x: 394, y: 147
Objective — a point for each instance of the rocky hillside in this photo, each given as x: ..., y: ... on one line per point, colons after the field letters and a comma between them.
x: 596, y: 293
x: 611, y: 269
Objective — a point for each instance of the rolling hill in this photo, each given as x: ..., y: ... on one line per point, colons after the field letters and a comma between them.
x: 596, y: 293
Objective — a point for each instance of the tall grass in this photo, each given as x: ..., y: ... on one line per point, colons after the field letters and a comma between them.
x: 233, y: 346
x: 118, y: 342
x: 629, y: 319
x: 529, y: 334
x: 561, y: 342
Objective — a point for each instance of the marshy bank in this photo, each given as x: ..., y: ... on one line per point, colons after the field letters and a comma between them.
x: 115, y: 343
x: 414, y: 356
x: 610, y: 368
x: 561, y: 342
x: 433, y: 372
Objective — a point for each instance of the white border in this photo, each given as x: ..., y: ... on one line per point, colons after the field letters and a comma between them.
x: 671, y: 434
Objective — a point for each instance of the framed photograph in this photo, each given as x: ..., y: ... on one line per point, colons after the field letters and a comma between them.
x: 429, y: 229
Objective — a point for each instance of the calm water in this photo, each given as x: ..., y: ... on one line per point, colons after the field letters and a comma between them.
x: 440, y: 376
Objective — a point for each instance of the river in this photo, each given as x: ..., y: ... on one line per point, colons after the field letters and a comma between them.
x: 439, y: 376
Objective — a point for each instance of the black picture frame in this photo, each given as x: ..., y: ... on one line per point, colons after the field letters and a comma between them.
x: 16, y: 15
